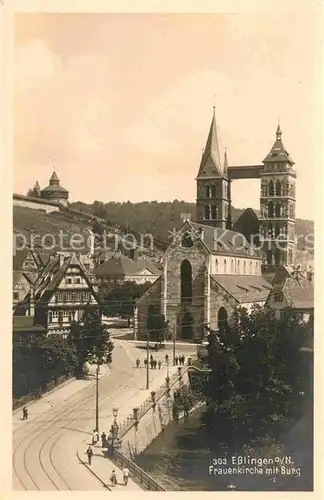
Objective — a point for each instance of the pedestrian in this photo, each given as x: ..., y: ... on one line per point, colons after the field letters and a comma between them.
x: 138, y: 363
x: 25, y: 413
x: 95, y: 437
x: 154, y: 364
x: 182, y: 359
x: 151, y: 358
x: 176, y: 359
x: 89, y: 452
x: 103, y: 440
x: 145, y: 362
x: 166, y: 358
x: 159, y: 364
x: 125, y: 475
x: 113, y: 477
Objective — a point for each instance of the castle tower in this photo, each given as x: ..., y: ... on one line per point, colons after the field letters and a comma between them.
x: 277, y: 206
x: 213, y: 196
x: 55, y: 192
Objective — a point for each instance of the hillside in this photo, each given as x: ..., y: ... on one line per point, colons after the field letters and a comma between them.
x: 158, y: 218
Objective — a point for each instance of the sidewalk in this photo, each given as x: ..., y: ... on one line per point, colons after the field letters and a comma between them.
x: 101, y: 466
x: 49, y: 400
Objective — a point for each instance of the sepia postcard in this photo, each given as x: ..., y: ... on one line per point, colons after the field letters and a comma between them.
x: 164, y: 193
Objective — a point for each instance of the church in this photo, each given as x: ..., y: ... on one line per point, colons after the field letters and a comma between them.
x: 213, y: 266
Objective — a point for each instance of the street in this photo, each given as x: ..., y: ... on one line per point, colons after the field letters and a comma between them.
x: 45, y: 446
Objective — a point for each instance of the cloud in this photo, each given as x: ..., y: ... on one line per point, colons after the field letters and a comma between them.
x: 35, y: 65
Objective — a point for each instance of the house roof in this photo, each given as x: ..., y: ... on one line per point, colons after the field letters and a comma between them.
x: 16, y: 275
x: 224, y: 241
x: 245, y: 289
x: 123, y: 266
x: 26, y: 324
x: 297, y: 288
x: 278, y: 152
x: 54, y: 184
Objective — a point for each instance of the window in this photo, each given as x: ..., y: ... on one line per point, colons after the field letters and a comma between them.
x: 54, y: 315
x: 213, y: 192
x: 271, y: 188
x: 232, y: 266
x: 251, y: 272
x: 60, y: 296
x: 208, y: 192
x: 77, y: 296
x: 16, y: 295
x: 270, y: 209
x: 50, y: 316
x: 186, y: 241
x: 69, y: 297
x: 63, y: 297
x: 207, y: 212
x: 65, y: 315
x: 77, y: 281
x: 214, y: 211
x: 68, y: 281
x: 225, y: 267
x: 216, y: 266
x: 244, y: 267
x: 238, y: 267
x: 71, y: 316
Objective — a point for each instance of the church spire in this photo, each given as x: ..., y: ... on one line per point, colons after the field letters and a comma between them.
x: 278, y: 153
x: 211, y: 163
x: 225, y: 161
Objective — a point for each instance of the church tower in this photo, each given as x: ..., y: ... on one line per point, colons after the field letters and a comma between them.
x: 213, y: 196
x: 277, y: 206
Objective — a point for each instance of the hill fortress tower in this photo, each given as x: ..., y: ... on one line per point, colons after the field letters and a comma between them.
x: 277, y: 196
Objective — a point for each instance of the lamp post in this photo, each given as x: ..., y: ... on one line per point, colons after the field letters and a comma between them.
x: 97, y: 396
x: 167, y: 363
x: 115, y: 427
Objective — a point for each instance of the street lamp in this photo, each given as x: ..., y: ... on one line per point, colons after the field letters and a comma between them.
x: 114, y: 427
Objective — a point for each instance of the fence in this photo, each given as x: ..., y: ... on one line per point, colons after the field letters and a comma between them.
x: 129, y: 421
x: 140, y: 476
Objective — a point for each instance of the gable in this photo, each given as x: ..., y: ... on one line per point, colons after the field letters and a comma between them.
x: 187, y: 240
x: 145, y: 272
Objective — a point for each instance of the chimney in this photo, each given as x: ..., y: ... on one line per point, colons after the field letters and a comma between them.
x: 32, y: 303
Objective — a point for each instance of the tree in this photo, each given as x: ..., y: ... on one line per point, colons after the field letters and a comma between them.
x: 257, y: 374
x: 91, y: 340
x: 34, y: 191
x: 121, y: 300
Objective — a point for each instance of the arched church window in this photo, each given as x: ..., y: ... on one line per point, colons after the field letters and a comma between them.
x: 222, y: 318
x: 251, y: 271
x: 256, y: 267
x: 278, y: 210
x: 213, y: 191
x: 225, y: 267
x: 186, y: 281
x: 208, y: 191
x: 271, y: 188
x: 238, y: 267
x: 207, y: 212
x: 216, y: 266
x: 278, y: 188
x: 232, y: 266
x: 244, y: 267
x: 270, y: 209
x: 270, y: 229
x: 277, y: 230
x: 186, y: 241
x: 214, y: 212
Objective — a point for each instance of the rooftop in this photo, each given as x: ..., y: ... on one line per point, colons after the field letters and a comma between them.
x: 245, y: 289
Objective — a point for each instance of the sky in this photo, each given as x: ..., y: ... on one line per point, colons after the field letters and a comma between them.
x: 121, y: 104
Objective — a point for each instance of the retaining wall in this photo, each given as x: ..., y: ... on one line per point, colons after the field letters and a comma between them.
x: 153, y: 419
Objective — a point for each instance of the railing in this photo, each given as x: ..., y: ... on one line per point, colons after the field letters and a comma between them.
x: 139, y: 474
x: 129, y: 421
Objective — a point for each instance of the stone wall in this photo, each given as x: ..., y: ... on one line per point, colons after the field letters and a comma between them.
x: 220, y: 298
x: 152, y: 423
x: 153, y: 296
x: 20, y: 201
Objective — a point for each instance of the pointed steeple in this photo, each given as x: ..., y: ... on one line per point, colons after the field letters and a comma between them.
x: 54, y: 180
x: 210, y: 162
x: 225, y: 161
x: 278, y: 152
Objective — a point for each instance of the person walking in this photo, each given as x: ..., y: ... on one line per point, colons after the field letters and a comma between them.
x: 159, y: 364
x: 151, y: 358
x: 176, y: 359
x: 166, y: 358
x: 95, y: 437
x: 113, y: 478
x: 125, y: 475
x: 25, y: 413
x: 89, y: 452
x: 145, y: 362
x: 103, y: 440
x: 154, y: 364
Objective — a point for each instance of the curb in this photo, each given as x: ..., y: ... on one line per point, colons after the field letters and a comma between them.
x: 105, y: 485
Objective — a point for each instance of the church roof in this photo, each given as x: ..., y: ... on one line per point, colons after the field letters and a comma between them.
x: 54, y: 185
x: 224, y: 241
x: 211, y: 165
x: 278, y: 152
x: 245, y: 289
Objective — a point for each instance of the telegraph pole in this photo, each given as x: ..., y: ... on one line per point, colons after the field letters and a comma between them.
x: 147, y: 364
x: 174, y: 343
x: 97, y: 397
